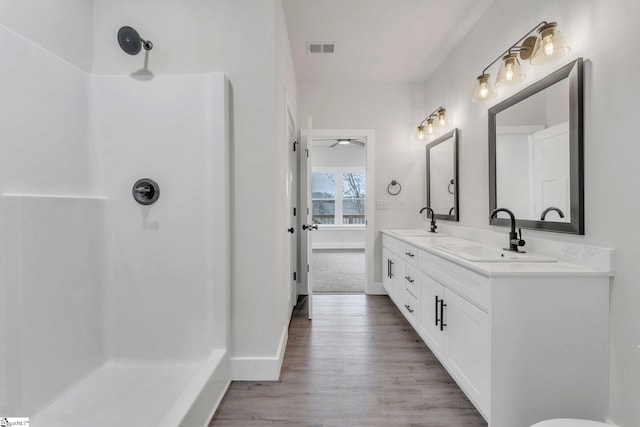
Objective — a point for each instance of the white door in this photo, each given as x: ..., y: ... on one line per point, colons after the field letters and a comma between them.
x: 292, y: 205
x: 551, y: 171
x: 306, y: 225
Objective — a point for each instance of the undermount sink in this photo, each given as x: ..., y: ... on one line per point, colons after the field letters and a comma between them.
x: 416, y: 233
x: 479, y: 253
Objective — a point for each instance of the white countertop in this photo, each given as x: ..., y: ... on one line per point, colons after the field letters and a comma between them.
x: 491, y: 269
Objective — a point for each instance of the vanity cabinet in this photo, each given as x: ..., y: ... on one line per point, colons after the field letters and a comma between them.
x: 524, y: 342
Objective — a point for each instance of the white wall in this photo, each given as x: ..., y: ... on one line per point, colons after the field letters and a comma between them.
x: 601, y: 33
x: 44, y: 126
x: 63, y: 27
x: 246, y: 40
x: 393, y: 111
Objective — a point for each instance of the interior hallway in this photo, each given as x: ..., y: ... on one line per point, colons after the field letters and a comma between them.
x: 357, y: 363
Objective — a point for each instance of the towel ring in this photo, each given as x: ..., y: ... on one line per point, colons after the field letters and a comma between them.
x: 449, y: 187
x: 391, y: 188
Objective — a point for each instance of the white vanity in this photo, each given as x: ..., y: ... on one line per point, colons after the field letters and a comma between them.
x: 525, y: 338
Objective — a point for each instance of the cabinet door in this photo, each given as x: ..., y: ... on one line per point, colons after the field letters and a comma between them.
x: 431, y: 292
x: 398, y: 271
x: 466, y: 347
x: 387, y: 279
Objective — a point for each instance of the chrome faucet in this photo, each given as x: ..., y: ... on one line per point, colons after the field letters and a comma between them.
x: 432, y: 228
x: 549, y: 209
x: 514, y: 240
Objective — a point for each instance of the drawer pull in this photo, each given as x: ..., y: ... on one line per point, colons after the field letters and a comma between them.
x: 409, y: 279
x: 442, y: 306
x: 390, y: 269
x: 436, y: 310
x: 408, y: 307
x: 409, y: 254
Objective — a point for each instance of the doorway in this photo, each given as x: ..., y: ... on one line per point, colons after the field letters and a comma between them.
x: 341, y: 260
x: 338, y: 200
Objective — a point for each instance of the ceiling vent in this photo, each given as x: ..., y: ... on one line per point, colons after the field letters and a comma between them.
x: 321, y: 47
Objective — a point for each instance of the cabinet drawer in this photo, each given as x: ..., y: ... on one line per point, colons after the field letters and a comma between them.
x: 468, y: 284
x: 394, y: 245
x: 411, y: 281
x: 410, y: 308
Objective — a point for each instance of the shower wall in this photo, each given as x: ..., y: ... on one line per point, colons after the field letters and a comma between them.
x: 51, y: 229
x: 166, y: 299
x: 89, y: 277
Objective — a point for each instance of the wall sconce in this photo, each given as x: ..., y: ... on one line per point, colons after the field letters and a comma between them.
x: 437, y: 119
x: 542, y: 48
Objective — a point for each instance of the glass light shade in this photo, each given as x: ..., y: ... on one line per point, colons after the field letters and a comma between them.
x: 430, y: 125
x: 442, y: 118
x: 344, y: 141
x: 550, y: 45
x: 484, y: 89
x: 510, y: 71
x: 421, y: 132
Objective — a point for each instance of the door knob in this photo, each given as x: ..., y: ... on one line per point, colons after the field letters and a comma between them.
x: 291, y: 230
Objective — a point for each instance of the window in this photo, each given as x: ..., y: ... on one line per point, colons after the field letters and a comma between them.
x: 338, y: 197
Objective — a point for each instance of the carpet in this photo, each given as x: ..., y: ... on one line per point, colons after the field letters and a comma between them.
x: 338, y: 271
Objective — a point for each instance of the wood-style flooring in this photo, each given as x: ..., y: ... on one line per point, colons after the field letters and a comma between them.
x: 357, y: 363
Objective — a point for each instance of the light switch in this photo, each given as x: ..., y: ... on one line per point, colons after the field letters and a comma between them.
x: 383, y: 205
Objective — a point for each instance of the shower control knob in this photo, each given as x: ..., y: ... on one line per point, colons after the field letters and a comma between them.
x: 145, y: 191
x: 310, y: 227
x: 291, y: 230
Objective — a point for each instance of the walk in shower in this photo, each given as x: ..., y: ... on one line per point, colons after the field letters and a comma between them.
x: 112, y: 312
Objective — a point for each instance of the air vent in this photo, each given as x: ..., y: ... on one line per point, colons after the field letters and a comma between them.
x: 321, y: 47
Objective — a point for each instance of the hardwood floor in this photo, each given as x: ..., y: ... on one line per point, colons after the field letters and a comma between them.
x: 357, y: 363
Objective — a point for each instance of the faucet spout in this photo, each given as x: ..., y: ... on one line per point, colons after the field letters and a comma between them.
x: 514, y: 239
x: 549, y: 209
x: 433, y: 226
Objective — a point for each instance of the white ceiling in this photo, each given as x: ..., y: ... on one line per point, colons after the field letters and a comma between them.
x: 376, y: 40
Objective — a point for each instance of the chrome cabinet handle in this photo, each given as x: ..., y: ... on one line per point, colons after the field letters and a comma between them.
x: 409, y: 279
x: 409, y: 254
x: 390, y: 269
x: 408, y: 307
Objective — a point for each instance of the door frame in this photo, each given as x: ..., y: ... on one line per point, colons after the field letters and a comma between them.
x: 371, y: 287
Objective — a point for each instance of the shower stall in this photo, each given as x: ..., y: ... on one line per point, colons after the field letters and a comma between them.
x: 112, y: 312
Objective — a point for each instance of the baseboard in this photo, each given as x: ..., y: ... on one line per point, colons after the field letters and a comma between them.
x: 260, y: 368
x: 376, y: 289
x: 338, y: 245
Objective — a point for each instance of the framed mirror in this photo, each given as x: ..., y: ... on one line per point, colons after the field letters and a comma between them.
x: 442, y: 176
x: 536, y: 160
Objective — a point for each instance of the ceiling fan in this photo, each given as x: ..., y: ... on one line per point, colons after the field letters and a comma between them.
x: 343, y: 141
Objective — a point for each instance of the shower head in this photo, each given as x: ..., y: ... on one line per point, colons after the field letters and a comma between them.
x: 131, y: 42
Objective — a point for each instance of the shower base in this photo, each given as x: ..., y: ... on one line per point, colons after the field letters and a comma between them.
x: 142, y: 395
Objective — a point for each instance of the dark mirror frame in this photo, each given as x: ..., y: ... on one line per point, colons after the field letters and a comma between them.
x: 574, y: 73
x: 449, y: 135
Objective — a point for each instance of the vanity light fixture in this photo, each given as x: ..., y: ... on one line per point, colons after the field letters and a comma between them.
x: 544, y: 47
x: 438, y: 118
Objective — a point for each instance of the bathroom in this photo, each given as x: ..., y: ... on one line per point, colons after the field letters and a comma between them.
x: 250, y: 42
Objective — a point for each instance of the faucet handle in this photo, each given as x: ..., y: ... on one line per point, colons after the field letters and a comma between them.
x: 519, y: 241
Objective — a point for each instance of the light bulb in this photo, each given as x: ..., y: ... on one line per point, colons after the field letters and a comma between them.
x: 547, y: 44
x: 484, y: 90
x: 508, y: 72
x: 430, y: 127
x: 442, y: 117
